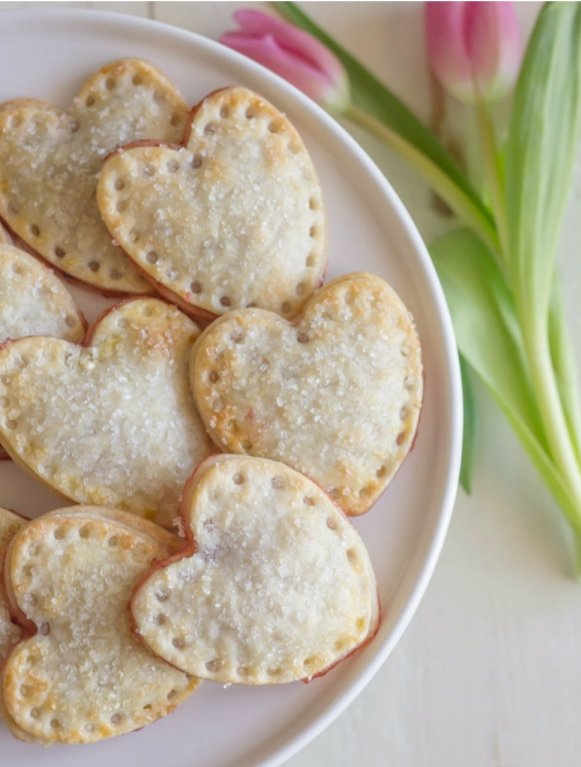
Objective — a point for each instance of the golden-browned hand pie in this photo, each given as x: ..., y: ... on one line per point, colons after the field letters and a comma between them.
x: 230, y: 219
x: 335, y: 395
x: 112, y: 422
x: 274, y: 585
x: 10, y: 523
x: 33, y: 301
x: 78, y: 675
x: 49, y: 160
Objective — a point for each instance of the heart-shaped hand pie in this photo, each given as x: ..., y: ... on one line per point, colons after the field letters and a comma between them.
x: 10, y: 523
x: 335, y: 395
x: 79, y: 675
x: 275, y: 584
x: 49, y: 161
x: 112, y: 422
x: 233, y: 218
x: 33, y: 301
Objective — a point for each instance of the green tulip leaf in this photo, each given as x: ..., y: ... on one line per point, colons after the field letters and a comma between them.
x: 565, y: 370
x: 484, y: 320
x: 470, y: 435
x: 542, y: 144
x: 488, y: 338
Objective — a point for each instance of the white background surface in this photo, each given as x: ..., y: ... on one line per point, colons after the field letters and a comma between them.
x: 489, y: 672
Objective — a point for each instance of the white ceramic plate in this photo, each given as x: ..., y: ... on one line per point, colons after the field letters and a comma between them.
x: 48, y: 55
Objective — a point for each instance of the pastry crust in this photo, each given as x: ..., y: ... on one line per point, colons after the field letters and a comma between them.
x: 78, y: 675
x: 49, y: 160
x: 10, y: 523
x: 111, y: 422
x: 274, y: 585
x: 336, y: 395
x: 33, y: 301
x: 231, y: 218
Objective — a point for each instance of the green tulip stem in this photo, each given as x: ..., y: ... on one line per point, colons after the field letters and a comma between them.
x: 462, y: 206
x: 535, y: 337
x: 536, y: 343
x: 495, y: 175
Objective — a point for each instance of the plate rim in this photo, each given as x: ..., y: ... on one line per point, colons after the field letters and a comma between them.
x: 275, y: 755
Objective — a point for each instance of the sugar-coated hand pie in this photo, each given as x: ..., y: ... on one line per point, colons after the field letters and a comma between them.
x: 274, y: 584
x: 216, y: 464
x: 50, y: 159
x: 33, y: 301
x: 231, y: 218
x: 10, y: 632
x: 77, y: 674
x: 112, y: 421
x: 335, y: 394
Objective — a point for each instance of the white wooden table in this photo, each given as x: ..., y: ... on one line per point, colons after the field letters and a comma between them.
x: 489, y: 672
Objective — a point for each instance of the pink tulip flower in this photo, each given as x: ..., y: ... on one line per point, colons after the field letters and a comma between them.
x: 474, y: 48
x: 292, y: 54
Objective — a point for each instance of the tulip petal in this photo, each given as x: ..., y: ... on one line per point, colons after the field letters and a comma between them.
x: 494, y: 45
x: 266, y: 51
x: 447, y: 49
x: 474, y: 48
x: 293, y: 54
x: 254, y: 23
